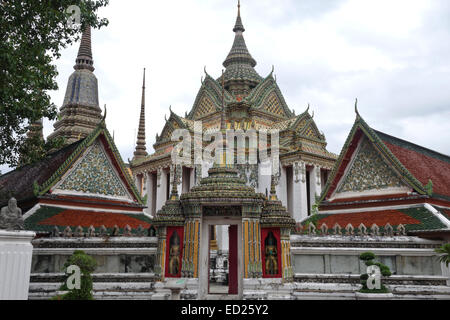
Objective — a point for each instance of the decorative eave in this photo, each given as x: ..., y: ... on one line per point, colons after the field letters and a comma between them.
x: 361, y: 126
x: 262, y: 90
x: 40, y: 190
x: 214, y: 91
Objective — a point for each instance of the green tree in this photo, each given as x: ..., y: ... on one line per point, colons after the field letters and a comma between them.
x: 87, y: 265
x: 32, y: 35
x: 444, y: 252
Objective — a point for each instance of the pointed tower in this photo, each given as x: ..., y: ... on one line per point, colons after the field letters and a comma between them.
x: 80, y: 112
x: 240, y: 76
x: 141, y: 150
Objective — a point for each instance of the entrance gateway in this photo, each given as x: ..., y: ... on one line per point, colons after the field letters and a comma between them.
x: 259, y: 233
x: 233, y: 225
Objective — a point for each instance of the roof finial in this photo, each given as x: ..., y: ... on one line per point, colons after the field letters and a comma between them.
x: 104, y: 116
x: 84, y: 58
x: 141, y: 150
x: 239, y: 26
x: 356, y: 108
x: 222, y: 115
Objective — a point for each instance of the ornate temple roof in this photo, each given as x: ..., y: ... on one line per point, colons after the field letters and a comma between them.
x: 380, y: 179
x: 424, y: 164
x: 239, y: 63
x: 34, y: 181
x: 19, y: 182
x: 414, y: 219
x: 243, y: 100
x: 222, y: 185
x: 46, y: 218
x: 426, y: 172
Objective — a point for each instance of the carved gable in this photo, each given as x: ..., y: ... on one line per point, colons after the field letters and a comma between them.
x: 369, y: 171
x: 310, y: 130
x: 204, y: 107
x: 273, y: 104
x: 94, y: 174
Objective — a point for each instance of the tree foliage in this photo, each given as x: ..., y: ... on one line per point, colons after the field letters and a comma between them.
x: 444, y: 252
x: 32, y: 35
x: 87, y: 265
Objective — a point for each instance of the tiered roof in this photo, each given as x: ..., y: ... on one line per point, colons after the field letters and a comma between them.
x: 222, y: 102
x: 239, y: 63
x: 33, y: 183
x: 46, y: 218
x: 381, y: 179
x: 424, y: 171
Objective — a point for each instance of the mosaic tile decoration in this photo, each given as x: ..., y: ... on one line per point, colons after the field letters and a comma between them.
x: 206, y: 106
x: 272, y: 104
x: 369, y: 171
x: 94, y: 175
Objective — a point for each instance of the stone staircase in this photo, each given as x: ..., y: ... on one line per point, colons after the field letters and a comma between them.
x: 137, y: 286
x: 344, y: 287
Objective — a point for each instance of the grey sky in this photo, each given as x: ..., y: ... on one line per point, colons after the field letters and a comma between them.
x: 394, y: 55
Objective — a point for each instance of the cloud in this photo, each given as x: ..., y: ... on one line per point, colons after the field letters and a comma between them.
x: 392, y: 55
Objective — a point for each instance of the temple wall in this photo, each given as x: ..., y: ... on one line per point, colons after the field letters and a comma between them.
x: 340, y: 255
x: 117, y: 255
x: 324, y: 267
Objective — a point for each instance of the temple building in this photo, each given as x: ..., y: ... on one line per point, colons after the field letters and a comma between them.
x: 217, y: 229
x: 85, y: 185
x: 240, y: 99
x: 380, y: 180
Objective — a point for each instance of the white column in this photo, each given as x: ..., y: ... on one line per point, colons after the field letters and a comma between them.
x: 180, y: 180
x: 137, y: 182
x: 192, y: 178
x: 264, y: 177
x: 15, y: 264
x: 300, y: 202
x: 314, y: 185
x: 282, y: 187
x: 161, y: 189
x: 150, y: 193
x: 318, y: 181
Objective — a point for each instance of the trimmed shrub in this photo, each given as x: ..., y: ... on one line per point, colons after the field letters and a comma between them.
x: 368, y: 258
x: 87, y: 265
